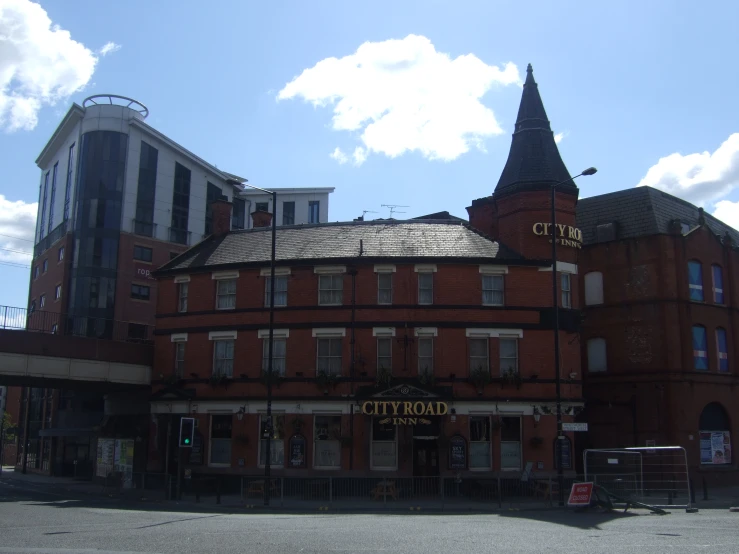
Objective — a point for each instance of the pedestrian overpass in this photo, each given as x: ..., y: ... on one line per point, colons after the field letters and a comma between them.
x: 45, y: 349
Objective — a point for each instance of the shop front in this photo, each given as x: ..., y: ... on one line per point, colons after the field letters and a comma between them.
x: 403, y: 431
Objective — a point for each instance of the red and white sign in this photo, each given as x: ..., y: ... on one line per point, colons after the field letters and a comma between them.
x: 580, y: 494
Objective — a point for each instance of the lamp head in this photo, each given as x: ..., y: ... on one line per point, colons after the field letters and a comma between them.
x: 590, y: 171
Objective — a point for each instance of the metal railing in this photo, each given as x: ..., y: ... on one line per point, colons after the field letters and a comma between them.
x: 449, y: 494
x: 180, y: 236
x: 395, y: 493
x: 43, y: 245
x: 23, y: 319
x: 144, y: 228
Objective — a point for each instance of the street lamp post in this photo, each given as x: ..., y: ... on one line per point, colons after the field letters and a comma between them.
x: 555, y: 304
x: 270, y: 355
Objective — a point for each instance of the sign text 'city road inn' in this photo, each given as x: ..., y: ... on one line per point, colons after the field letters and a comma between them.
x: 568, y: 236
x: 404, y: 413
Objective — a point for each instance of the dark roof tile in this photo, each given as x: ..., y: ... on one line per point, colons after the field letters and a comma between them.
x: 641, y: 211
x: 335, y: 241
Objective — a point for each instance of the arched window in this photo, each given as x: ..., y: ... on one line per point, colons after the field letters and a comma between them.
x: 695, y: 280
x: 715, y: 435
x: 593, y: 288
x: 722, y: 349
x: 597, y: 355
x: 700, y: 348
x: 718, y: 284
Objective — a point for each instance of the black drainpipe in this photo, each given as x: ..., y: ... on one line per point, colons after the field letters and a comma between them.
x: 352, y: 373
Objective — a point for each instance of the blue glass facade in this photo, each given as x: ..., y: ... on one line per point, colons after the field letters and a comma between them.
x: 99, y: 203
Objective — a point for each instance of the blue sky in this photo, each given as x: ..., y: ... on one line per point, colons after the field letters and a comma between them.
x: 645, y: 91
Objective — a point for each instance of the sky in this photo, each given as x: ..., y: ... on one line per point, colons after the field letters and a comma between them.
x: 400, y: 103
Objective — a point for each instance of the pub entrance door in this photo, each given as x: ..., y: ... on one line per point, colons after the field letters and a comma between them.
x: 425, y: 458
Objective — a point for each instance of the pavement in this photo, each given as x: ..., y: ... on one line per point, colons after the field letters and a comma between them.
x: 41, y: 520
x: 718, y: 498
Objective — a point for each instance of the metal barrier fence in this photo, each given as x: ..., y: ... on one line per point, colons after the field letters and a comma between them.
x: 657, y: 476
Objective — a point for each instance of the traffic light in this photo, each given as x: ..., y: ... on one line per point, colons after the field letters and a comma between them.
x: 187, y: 432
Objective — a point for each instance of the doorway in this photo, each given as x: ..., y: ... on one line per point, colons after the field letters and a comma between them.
x: 425, y: 458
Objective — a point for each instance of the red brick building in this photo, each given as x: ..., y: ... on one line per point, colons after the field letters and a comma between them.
x: 416, y: 347
x: 661, y: 326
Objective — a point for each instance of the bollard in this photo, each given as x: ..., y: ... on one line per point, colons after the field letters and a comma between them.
x: 218, y: 490
x: 705, y: 489
x: 692, y: 491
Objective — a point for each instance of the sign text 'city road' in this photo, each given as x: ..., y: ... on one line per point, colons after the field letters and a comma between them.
x: 566, y: 235
x: 404, y: 412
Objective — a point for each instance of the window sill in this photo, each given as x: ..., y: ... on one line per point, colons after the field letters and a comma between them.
x: 481, y: 469
x: 384, y: 469
x: 142, y: 261
x: 326, y: 304
x: 225, y: 309
x: 140, y: 300
x: 327, y: 468
x: 219, y: 465
x: 494, y: 305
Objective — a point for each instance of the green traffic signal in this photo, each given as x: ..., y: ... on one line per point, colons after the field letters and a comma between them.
x: 187, y: 441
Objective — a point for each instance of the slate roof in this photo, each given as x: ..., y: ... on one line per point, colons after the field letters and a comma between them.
x: 642, y: 211
x: 533, y: 158
x: 380, y: 240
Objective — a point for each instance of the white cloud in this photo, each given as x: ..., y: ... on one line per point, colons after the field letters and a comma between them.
x: 359, y: 156
x: 339, y: 156
x: 559, y: 136
x: 728, y: 212
x: 109, y: 48
x: 405, y: 96
x: 701, y: 177
x: 40, y: 64
x: 17, y: 219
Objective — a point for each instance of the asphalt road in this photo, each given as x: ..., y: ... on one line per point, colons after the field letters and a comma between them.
x: 35, y: 520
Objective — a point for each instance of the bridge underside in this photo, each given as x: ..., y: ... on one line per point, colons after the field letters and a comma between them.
x: 45, y: 360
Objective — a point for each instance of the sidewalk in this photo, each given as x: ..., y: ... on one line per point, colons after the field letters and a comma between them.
x: 68, y: 484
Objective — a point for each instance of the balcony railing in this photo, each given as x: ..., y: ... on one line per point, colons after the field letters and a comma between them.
x: 180, y: 236
x: 58, y: 232
x: 22, y: 319
x: 144, y: 228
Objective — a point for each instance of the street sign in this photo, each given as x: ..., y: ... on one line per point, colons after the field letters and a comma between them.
x: 574, y: 426
x: 580, y: 495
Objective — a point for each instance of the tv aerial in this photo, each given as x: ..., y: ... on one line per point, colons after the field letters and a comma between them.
x: 393, y: 208
x: 365, y: 212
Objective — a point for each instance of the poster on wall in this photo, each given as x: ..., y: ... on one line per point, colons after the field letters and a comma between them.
x: 715, y: 447
x: 196, y: 452
x: 457, y: 452
x: 105, y: 457
x: 123, y: 460
x: 566, y: 446
x: 297, y: 451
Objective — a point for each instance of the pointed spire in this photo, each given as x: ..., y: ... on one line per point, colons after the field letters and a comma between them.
x: 533, y: 158
x: 531, y: 112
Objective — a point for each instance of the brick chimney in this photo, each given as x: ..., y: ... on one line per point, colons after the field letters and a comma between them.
x: 261, y: 218
x: 221, y: 210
